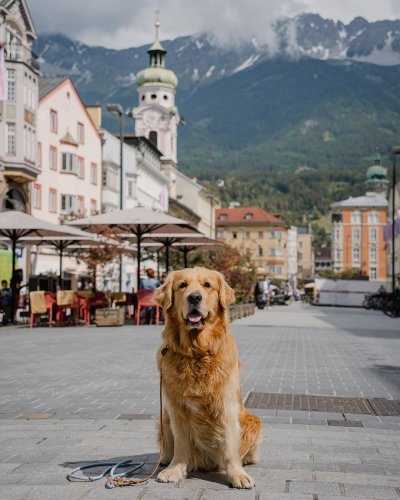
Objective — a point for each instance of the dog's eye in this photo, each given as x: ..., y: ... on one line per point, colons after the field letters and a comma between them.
x: 207, y: 285
x: 183, y: 285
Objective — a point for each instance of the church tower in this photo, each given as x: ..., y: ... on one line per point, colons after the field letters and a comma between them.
x: 156, y: 116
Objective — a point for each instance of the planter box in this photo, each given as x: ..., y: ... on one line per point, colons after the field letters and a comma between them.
x: 110, y: 316
x: 238, y: 311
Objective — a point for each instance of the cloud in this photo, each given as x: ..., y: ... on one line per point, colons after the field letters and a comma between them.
x: 127, y: 23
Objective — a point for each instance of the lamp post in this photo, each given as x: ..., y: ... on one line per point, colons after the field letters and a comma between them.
x: 117, y: 110
x: 395, y: 153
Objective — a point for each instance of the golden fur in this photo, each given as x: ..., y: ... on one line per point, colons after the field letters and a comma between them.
x: 205, y: 424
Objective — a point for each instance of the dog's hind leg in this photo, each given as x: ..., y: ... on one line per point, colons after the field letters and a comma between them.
x: 250, y: 437
x: 166, y: 442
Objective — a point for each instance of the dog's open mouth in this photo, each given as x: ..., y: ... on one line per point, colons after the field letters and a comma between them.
x: 195, y: 319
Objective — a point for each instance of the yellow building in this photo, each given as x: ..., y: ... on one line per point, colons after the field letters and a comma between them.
x: 305, y: 253
x: 260, y: 232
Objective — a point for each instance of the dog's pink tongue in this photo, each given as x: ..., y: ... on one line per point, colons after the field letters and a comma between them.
x: 194, y: 317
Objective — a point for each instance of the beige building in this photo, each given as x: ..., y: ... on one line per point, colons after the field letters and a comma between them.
x: 262, y: 233
x: 305, y: 253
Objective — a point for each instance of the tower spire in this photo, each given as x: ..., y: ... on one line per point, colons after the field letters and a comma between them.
x: 157, y: 22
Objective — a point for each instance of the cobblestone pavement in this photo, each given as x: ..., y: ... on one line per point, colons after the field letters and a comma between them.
x: 62, y: 391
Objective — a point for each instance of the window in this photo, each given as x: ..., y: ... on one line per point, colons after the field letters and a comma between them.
x: 11, y: 85
x: 356, y: 234
x: 221, y: 233
x: 153, y: 137
x: 52, y: 200
x: 273, y: 252
x: 153, y: 96
x: 68, y: 163
x: 68, y: 203
x: 373, y: 218
x: 53, y: 158
x: 165, y: 97
x: 247, y: 235
x: 248, y: 216
x: 80, y: 205
x: 278, y: 269
x: 11, y: 143
x: 260, y: 235
x: 260, y: 251
x: 80, y: 166
x: 223, y: 216
x: 37, y: 196
x: 372, y: 273
x: 13, y: 42
x: 337, y: 234
x: 337, y: 254
x: 39, y: 154
x: 130, y: 188
x: 93, y: 173
x: 299, y: 269
x: 372, y: 253
x: 299, y: 256
x: 356, y: 254
x: 275, y: 234
x: 373, y: 234
x: 81, y: 133
x: 234, y: 235
x: 300, y: 244
x: 53, y: 121
x: 93, y: 206
x: 356, y: 217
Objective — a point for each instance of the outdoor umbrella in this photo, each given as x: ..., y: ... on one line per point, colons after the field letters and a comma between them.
x: 15, y: 225
x: 185, y: 243
x: 75, y: 238
x: 135, y: 222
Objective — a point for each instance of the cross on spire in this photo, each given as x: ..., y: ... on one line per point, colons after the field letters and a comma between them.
x: 157, y: 21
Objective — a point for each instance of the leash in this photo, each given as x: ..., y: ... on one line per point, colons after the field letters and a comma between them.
x: 115, y: 480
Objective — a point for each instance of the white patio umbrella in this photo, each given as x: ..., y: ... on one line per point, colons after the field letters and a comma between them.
x: 135, y: 224
x: 15, y: 225
x: 184, y: 244
x: 76, y: 238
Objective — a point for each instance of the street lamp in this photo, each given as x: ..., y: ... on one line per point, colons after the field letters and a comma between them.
x: 395, y: 153
x: 117, y: 110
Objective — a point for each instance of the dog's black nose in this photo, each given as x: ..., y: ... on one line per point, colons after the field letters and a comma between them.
x: 194, y: 298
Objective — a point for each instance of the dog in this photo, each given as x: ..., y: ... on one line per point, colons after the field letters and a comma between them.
x: 205, y: 425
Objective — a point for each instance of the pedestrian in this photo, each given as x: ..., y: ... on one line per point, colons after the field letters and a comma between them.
x: 5, y: 302
x: 150, y: 283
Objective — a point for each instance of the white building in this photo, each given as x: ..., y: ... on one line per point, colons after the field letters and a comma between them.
x: 18, y: 113
x: 157, y: 118
x: 69, y: 161
x: 194, y: 196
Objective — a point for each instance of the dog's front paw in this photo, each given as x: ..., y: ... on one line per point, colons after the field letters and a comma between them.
x: 241, y: 480
x: 172, y: 474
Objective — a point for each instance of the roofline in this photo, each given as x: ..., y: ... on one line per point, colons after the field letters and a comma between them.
x: 250, y: 223
x: 61, y: 84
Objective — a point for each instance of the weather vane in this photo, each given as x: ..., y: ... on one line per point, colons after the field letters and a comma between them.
x: 157, y: 22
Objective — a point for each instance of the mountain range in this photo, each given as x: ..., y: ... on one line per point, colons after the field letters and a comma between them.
x: 298, y: 119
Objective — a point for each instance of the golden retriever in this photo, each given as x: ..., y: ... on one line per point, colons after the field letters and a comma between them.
x: 205, y: 424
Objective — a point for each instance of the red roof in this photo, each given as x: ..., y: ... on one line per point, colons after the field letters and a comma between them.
x: 247, y: 215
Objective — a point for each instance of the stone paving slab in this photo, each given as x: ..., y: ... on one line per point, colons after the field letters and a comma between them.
x: 295, y: 462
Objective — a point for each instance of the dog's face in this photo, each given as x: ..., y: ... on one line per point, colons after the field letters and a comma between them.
x: 195, y: 297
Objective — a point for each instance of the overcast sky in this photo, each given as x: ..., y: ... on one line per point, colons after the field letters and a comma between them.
x: 128, y: 23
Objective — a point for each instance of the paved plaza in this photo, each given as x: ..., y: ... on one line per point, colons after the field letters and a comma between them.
x: 74, y: 395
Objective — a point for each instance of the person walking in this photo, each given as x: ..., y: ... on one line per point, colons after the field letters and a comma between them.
x: 150, y: 283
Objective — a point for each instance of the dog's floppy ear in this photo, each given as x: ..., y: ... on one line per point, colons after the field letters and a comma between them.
x: 226, y: 294
x: 163, y: 294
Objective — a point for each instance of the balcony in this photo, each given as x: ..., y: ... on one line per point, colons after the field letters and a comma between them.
x: 16, y: 52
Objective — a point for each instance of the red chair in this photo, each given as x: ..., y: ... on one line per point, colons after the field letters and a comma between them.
x: 41, y: 303
x: 145, y: 298
x: 67, y: 299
